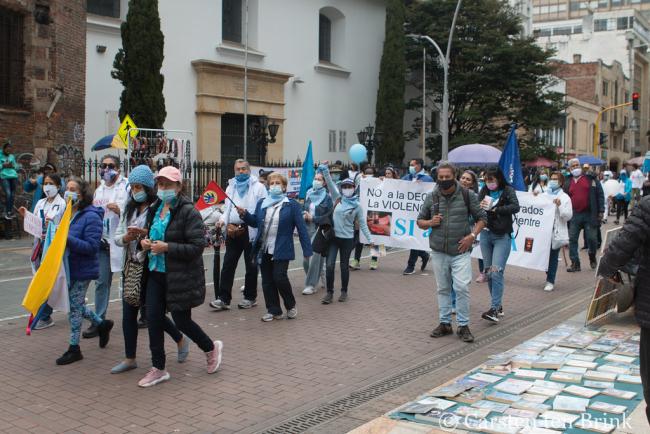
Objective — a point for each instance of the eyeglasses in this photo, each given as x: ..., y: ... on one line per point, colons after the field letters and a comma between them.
x: 107, y: 166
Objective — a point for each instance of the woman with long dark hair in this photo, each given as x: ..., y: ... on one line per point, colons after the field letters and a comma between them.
x: 176, y: 280
x: 131, y: 230
x: 500, y: 202
x: 84, y: 238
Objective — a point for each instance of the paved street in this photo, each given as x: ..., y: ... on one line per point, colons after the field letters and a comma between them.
x: 332, y: 369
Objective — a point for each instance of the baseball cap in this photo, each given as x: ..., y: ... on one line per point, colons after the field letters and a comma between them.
x: 171, y: 173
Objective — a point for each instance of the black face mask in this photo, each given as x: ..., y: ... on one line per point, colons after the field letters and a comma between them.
x: 446, y: 184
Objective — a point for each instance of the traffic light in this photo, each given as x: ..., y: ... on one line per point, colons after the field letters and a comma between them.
x: 603, y: 139
x: 635, y: 101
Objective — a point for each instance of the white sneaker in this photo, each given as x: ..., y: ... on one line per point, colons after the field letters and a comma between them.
x: 549, y: 286
x: 292, y: 313
x: 309, y: 290
x: 241, y: 288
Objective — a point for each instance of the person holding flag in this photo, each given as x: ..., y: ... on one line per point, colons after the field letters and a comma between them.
x: 244, y: 191
x: 84, y: 238
x: 50, y: 210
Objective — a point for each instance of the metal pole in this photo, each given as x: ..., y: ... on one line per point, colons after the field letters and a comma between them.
x: 246, y: 80
x: 445, y: 93
x: 424, y: 102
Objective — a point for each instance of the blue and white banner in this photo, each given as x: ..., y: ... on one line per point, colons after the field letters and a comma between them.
x: 391, y: 208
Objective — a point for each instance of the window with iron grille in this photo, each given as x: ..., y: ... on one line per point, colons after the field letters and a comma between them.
x: 343, y: 141
x: 324, y: 38
x: 106, y: 8
x: 332, y: 147
x: 231, y: 21
x: 11, y: 58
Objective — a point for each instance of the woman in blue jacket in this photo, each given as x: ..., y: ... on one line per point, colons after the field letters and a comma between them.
x: 317, y: 207
x: 276, y: 217
x: 624, y: 196
x: 82, y: 247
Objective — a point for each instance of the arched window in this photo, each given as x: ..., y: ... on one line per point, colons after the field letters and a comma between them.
x: 324, y: 38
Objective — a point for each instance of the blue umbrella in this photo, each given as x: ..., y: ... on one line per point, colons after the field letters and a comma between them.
x: 103, y: 143
x: 590, y: 159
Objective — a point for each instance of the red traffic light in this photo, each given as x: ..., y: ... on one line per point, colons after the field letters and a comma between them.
x: 635, y: 101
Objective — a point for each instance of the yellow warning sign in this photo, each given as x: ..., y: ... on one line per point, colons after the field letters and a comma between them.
x: 127, y: 127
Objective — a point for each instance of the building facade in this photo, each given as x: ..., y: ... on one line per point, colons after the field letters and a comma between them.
x: 619, y: 35
x: 42, y: 76
x: 313, y: 69
x: 591, y: 86
x: 553, y: 10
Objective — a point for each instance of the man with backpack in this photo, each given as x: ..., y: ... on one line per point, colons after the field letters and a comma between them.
x: 447, y: 211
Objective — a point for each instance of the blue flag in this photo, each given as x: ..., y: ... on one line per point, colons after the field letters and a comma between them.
x: 308, y: 172
x: 510, y: 163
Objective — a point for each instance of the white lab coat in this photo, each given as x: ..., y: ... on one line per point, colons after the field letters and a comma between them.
x: 256, y: 191
x: 117, y: 193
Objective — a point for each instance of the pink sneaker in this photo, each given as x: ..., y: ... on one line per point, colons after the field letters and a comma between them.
x: 153, y: 377
x: 214, y: 357
x: 481, y: 278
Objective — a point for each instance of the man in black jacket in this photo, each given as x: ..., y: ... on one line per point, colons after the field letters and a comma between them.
x: 635, y: 235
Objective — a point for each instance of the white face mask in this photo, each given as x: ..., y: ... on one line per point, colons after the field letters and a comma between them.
x: 347, y: 192
x: 50, y: 190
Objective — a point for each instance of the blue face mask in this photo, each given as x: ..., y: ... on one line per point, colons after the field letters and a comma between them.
x: 71, y: 195
x: 139, y: 196
x: 412, y: 170
x: 242, y: 177
x: 543, y: 177
x: 276, y: 190
x: 166, y: 195
x: 554, y: 184
x: 317, y: 185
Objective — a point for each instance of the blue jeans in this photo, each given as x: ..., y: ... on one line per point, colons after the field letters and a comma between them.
x: 495, y: 250
x: 314, y: 266
x: 344, y: 246
x: 453, y: 270
x: 579, y: 221
x: 9, y: 187
x: 79, y: 310
x: 552, y: 265
x: 103, y: 284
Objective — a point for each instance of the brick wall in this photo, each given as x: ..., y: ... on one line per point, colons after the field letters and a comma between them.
x: 580, y: 80
x: 55, y: 59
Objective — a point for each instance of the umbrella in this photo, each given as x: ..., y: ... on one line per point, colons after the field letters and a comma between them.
x: 638, y: 161
x: 474, y: 155
x: 541, y: 162
x: 590, y: 159
x: 103, y: 143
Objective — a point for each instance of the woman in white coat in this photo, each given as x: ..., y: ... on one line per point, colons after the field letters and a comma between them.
x: 563, y: 213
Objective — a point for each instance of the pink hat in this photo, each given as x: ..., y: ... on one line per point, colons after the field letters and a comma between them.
x: 171, y: 173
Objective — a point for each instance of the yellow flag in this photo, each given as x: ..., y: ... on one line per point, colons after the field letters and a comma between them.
x: 46, y: 275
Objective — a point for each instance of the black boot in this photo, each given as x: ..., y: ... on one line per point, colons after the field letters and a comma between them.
x: 72, y: 355
x: 104, y: 331
x: 592, y: 261
x: 574, y: 268
x: 90, y: 332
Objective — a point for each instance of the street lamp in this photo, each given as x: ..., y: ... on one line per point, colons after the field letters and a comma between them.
x: 258, y: 135
x: 444, y: 62
x: 371, y: 139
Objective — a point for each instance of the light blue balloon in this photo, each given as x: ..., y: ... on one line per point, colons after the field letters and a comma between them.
x: 358, y: 153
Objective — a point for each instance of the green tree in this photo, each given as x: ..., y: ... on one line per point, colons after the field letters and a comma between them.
x: 496, y: 75
x: 137, y: 65
x: 390, y: 95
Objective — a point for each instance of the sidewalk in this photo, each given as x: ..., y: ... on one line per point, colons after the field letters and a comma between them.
x: 272, y: 372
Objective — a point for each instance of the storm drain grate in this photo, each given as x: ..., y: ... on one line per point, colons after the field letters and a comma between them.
x: 332, y: 410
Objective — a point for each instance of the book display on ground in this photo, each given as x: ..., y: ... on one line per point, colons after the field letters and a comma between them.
x: 559, y: 381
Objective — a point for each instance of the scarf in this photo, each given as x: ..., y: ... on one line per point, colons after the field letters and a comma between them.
x: 272, y: 199
x: 242, y: 187
x: 316, y: 196
x: 348, y: 203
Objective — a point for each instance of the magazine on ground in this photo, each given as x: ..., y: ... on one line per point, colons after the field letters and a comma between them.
x: 570, y: 404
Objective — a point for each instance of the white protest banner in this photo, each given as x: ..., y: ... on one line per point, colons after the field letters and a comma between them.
x: 292, y: 174
x: 391, y: 208
x: 533, y: 227
x: 32, y: 224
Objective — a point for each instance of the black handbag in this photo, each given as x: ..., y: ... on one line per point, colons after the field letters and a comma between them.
x: 324, y: 234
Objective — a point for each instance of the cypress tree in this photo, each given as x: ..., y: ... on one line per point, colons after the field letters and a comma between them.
x: 137, y: 65
x: 390, y: 95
